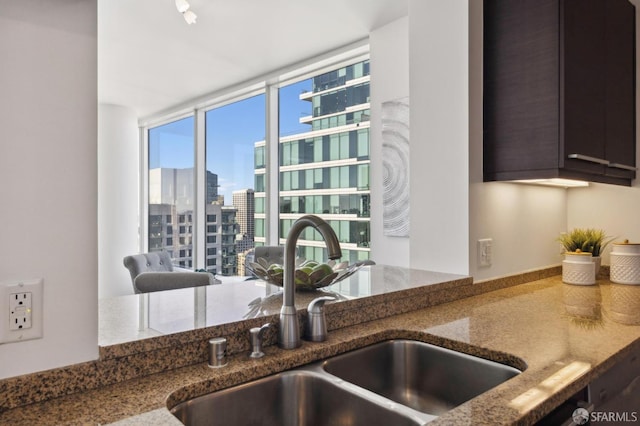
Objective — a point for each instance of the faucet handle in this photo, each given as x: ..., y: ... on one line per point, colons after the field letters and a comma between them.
x: 316, y: 306
x: 316, y: 329
x: 256, y: 340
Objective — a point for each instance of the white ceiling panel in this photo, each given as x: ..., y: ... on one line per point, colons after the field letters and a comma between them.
x: 150, y: 59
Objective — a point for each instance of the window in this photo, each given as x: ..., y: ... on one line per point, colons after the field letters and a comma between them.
x: 322, y: 168
x: 171, y: 183
x: 232, y: 159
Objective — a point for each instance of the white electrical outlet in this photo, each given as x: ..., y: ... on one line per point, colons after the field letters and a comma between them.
x: 484, y: 252
x: 21, y: 310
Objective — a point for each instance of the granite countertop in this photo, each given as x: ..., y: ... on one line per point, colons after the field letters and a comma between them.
x: 562, y: 336
x: 238, y: 299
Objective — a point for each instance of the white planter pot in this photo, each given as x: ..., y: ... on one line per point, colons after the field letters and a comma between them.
x: 625, y: 263
x: 578, y: 268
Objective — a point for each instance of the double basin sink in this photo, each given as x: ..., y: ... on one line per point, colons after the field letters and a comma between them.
x: 395, y: 382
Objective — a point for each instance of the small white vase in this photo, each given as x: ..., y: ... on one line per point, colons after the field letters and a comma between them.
x: 625, y: 263
x: 578, y: 268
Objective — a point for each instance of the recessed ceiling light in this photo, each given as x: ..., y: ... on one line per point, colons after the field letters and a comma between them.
x: 190, y: 17
x: 183, y: 7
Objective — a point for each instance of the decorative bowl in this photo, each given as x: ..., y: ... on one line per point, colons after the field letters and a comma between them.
x: 309, y: 275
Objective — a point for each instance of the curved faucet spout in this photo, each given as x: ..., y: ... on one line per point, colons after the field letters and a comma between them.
x: 289, y: 332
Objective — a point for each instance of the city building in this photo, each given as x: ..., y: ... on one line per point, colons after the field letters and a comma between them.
x: 171, y: 218
x: 213, y: 243
x: 228, y: 231
x: 325, y: 170
x: 244, y: 203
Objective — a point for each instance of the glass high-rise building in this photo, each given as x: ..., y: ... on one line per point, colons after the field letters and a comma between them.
x: 243, y: 202
x: 325, y: 170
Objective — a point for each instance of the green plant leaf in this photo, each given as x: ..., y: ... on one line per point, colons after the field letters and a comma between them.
x: 589, y: 240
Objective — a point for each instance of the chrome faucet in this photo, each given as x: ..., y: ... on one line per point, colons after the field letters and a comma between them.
x: 288, y: 328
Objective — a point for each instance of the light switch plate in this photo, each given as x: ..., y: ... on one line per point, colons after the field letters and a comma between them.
x: 484, y: 252
x: 21, y: 304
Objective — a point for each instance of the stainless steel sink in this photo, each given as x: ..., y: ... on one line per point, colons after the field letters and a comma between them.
x: 424, y: 377
x: 396, y: 382
x: 291, y: 398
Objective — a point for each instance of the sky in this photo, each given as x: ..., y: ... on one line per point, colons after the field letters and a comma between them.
x: 231, y: 132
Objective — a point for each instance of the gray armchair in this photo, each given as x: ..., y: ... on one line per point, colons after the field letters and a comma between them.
x: 155, y: 272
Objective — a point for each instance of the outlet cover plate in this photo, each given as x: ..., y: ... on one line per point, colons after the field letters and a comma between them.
x: 484, y: 252
x: 32, y: 291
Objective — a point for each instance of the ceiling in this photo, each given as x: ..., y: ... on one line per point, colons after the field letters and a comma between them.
x: 151, y: 60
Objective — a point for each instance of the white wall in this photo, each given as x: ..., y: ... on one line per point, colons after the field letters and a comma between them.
x: 438, y: 68
x: 448, y: 212
x: 48, y: 87
x: 451, y: 207
x: 389, y: 47
x: 523, y: 221
x: 118, y: 199
x: 615, y: 209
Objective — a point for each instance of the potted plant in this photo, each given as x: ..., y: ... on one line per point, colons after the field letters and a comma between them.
x: 581, y: 241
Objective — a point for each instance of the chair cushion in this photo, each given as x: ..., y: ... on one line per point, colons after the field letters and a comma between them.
x: 159, y: 261
x: 148, y: 282
x: 155, y: 272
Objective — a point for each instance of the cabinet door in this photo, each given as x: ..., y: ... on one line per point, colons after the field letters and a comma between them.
x: 559, y: 89
x: 583, y: 92
x: 521, y: 98
x: 620, y: 87
x: 618, y: 388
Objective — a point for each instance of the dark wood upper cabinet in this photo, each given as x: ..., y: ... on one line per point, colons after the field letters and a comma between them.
x: 559, y: 90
